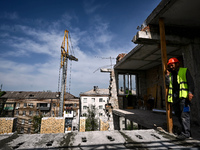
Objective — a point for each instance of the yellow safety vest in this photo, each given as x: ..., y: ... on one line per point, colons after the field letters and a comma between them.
x: 183, y: 86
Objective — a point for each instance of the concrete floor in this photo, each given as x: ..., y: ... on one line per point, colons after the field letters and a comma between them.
x: 126, y: 139
x: 152, y: 120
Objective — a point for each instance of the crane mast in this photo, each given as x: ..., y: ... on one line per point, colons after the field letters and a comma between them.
x: 64, y: 60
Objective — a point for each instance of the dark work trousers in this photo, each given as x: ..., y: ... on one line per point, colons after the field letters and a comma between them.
x: 182, y: 111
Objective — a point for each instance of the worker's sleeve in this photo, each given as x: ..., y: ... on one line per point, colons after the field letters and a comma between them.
x: 167, y: 80
x: 190, y: 82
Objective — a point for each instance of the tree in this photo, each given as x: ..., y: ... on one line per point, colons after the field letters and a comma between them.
x: 37, y: 123
x: 91, y: 122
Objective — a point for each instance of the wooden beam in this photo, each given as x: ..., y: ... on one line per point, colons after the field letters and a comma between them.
x: 164, y: 66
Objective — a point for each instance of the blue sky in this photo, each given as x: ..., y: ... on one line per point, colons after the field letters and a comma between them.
x: 31, y: 33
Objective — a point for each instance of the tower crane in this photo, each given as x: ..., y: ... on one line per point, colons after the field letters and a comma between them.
x: 63, y: 65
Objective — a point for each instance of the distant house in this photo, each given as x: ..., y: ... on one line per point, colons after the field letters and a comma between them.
x: 97, y: 98
x: 25, y: 105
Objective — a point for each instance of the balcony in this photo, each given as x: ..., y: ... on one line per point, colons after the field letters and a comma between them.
x: 68, y: 114
x: 43, y: 106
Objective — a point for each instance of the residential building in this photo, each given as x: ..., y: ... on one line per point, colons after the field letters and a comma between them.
x: 97, y: 98
x: 25, y: 105
x: 71, y: 115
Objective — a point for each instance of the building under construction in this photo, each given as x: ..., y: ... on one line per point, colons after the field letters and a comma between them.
x: 171, y: 30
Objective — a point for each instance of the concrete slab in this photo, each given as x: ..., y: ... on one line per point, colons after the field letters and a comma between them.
x: 126, y: 139
x: 145, y: 118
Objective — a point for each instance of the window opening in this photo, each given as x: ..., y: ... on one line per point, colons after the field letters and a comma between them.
x: 126, y: 84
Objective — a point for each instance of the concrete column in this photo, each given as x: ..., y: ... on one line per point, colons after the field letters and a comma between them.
x: 125, y: 124
x: 116, y: 122
x: 131, y: 122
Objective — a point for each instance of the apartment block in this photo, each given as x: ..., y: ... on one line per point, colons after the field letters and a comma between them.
x: 97, y: 98
x: 30, y: 107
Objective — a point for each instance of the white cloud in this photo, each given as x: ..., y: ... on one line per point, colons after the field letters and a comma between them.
x: 90, y: 7
x: 9, y: 15
x: 97, y: 41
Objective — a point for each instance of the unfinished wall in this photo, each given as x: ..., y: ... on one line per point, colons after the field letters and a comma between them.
x: 113, y: 91
x: 154, y: 86
x: 7, y: 125
x: 141, y: 83
x: 191, y: 55
x: 52, y: 125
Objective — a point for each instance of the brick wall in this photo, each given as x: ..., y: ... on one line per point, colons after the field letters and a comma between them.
x: 52, y: 125
x: 6, y: 125
x: 104, y: 126
x: 82, y: 124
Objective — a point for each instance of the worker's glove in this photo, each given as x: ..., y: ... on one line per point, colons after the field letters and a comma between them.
x: 190, y: 96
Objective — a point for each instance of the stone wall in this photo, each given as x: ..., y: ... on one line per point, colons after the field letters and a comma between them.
x: 52, y: 125
x: 7, y: 125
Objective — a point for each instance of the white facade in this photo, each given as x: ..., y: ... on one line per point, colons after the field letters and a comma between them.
x: 94, y: 101
x: 71, y: 120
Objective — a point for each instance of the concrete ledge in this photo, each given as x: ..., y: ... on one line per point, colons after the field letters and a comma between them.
x: 148, y: 37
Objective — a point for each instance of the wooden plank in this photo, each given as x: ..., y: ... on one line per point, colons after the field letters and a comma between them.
x: 164, y: 65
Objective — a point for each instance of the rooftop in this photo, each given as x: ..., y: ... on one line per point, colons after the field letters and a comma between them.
x: 33, y: 95
x: 97, y: 92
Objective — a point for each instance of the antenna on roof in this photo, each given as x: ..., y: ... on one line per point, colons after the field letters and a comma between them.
x: 106, y: 65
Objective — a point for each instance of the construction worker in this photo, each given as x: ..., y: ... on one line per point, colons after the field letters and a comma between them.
x: 180, y: 94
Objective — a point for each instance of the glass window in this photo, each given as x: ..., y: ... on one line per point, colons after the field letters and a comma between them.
x: 121, y: 84
x: 100, y: 106
x: 18, y: 105
x: 30, y: 113
x: 100, y: 99
x: 17, y: 112
x: 93, y: 100
x: 126, y: 84
x: 84, y: 100
x: 84, y: 115
x: 22, y: 129
x: 84, y: 107
x: 37, y: 113
x: 24, y: 113
x: 31, y: 105
x: 75, y: 105
x: 29, y: 130
x: 23, y: 121
x: 25, y: 105
x: 54, y: 104
x: 30, y: 121
x: 8, y: 106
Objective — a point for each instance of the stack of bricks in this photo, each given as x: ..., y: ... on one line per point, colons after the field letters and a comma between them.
x: 119, y: 57
x: 6, y: 125
x: 82, y: 124
x: 52, y: 125
x: 104, y: 126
